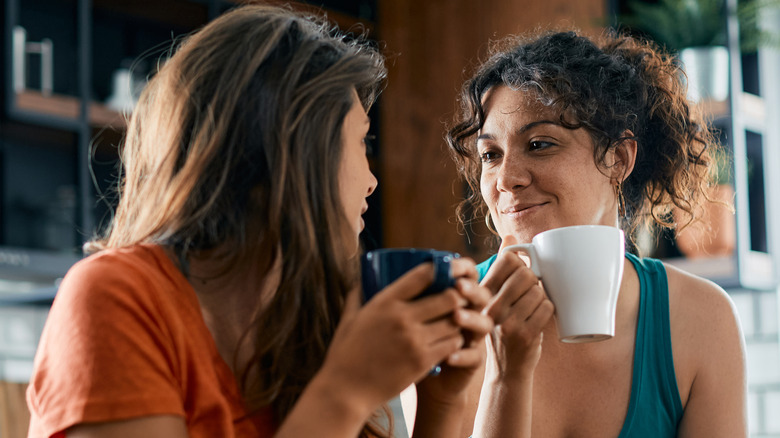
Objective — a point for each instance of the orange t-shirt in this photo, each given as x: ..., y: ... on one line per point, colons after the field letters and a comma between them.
x: 125, y: 338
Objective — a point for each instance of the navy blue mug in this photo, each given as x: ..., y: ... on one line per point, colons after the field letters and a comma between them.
x: 383, y: 266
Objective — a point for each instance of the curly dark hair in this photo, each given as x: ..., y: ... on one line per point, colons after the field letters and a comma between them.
x: 609, y: 86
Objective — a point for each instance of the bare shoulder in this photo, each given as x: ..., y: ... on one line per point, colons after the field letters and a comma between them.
x: 699, y: 302
x: 706, y: 335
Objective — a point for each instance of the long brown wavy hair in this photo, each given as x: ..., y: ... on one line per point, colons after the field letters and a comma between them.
x: 608, y: 86
x: 234, y: 148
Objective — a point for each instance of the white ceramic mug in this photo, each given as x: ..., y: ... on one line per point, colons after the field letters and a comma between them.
x: 581, y: 268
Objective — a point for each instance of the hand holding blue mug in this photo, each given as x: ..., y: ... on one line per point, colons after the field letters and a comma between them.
x: 383, y: 266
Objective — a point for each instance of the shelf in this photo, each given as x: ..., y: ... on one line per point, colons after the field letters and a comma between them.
x: 753, y: 110
x: 29, y: 276
x: 755, y: 272
x: 67, y: 107
x: 721, y: 270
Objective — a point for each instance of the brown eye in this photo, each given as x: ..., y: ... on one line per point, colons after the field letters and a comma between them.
x: 368, y: 141
x: 488, y: 157
x: 539, y: 144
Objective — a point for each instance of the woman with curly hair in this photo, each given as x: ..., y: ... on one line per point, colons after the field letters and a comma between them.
x: 564, y: 130
x: 224, y: 300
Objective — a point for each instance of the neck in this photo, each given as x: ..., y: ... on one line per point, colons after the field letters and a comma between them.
x: 230, y: 302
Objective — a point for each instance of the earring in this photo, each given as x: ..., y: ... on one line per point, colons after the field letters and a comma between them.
x: 489, y: 224
x: 621, y: 200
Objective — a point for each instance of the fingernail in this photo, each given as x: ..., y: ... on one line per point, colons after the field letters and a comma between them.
x: 464, y: 315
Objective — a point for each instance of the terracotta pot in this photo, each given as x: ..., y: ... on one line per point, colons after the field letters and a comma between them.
x: 716, y: 234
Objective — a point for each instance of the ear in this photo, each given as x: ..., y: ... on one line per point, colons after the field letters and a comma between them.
x: 625, y: 157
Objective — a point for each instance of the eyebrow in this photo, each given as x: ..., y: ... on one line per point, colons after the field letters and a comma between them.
x: 522, y: 129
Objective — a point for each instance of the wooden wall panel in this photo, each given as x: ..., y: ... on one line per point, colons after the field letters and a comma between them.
x: 432, y: 45
x: 14, y: 416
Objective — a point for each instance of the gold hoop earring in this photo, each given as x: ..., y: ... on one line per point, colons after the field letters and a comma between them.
x: 489, y: 224
x: 621, y: 200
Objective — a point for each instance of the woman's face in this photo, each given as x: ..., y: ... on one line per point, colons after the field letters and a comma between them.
x: 356, y: 182
x: 536, y: 174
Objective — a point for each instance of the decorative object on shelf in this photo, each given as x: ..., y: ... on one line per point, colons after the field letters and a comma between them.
x: 21, y: 48
x: 707, y: 72
x: 127, y: 84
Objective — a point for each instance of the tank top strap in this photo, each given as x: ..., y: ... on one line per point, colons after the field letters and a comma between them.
x: 654, y: 408
x: 484, y: 267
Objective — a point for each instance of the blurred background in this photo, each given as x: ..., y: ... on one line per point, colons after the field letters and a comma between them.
x: 72, y: 70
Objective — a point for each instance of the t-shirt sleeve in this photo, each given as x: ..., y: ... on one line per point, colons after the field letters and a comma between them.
x: 106, y: 352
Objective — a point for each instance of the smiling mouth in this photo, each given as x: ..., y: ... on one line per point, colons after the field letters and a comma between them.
x: 518, y: 211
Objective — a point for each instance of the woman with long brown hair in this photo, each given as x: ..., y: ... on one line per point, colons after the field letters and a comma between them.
x: 224, y: 299
x: 558, y: 130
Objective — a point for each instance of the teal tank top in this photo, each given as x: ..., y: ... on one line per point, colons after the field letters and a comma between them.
x: 654, y: 408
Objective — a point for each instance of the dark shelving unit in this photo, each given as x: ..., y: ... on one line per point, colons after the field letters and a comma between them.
x: 58, y: 149
x: 744, y: 121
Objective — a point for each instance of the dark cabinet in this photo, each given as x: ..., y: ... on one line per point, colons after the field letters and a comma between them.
x: 71, y: 70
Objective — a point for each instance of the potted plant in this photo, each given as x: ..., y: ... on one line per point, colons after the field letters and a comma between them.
x: 715, y: 234
x: 695, y: 30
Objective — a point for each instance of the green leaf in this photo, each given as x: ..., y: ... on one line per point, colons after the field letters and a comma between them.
x: 678, y: 24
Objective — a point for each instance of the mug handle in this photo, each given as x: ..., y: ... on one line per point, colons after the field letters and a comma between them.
x: 528, y: 249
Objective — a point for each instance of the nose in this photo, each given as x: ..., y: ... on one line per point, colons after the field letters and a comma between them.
x: 513, y: 174
x: 373, y: 182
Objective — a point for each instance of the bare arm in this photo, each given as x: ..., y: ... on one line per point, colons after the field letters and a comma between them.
x: 708, y: 340
x: 437, y: 420
x: 319, y: 412
x: 505, y: 406
x: 163, y: 426
x: 520, y: 310
x: 473, y: 394
x: 390, y: 343
x: 442, y: 399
